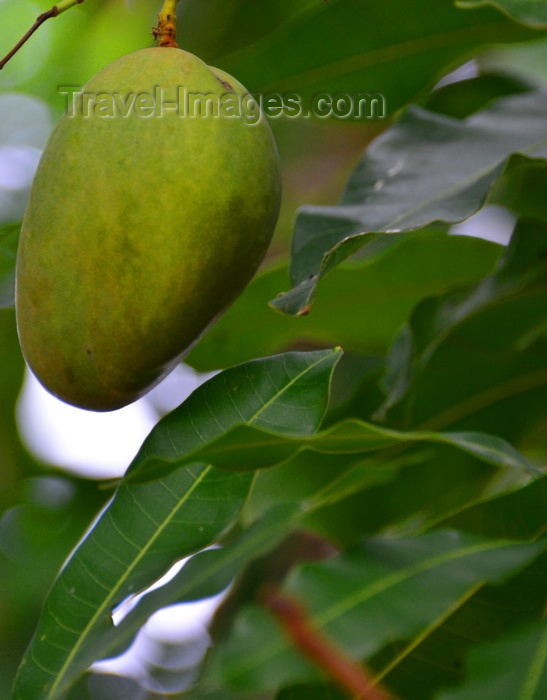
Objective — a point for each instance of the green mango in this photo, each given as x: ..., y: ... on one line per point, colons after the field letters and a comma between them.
x: 147, y: 218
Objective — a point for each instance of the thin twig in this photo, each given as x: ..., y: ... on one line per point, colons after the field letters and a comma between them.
x: 319, y: 649
x: 41, y: 19
x: 57, y: 9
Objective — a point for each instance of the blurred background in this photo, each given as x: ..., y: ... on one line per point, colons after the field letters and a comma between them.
x: 57, y: 462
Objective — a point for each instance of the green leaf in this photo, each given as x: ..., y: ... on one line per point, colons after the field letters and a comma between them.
x: 142, y: 532
x: 203, y: 575
x: 311, y: 692
x: 287, y: 392
x: 522, y: 187
x: 533, y: 12
x: 107, y: 686
x: 482, y: 344
x: 9, y: 238
x: 386, y: 589
x: 247, y: 448
x: 528, y: 61
x: 349, y: 311
x: 438, y: 657
x: 512, y: 667
x: 146, y: 528
x: 464, y: 97
x: 426, y: 168
x: 518, y: 514
x: 311, y: 46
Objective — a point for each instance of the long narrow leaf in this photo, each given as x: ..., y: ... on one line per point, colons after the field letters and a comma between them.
x: 384, y: 590
x: 312, y: 46
x: 512, y: 668
x: 249, y: 447
x: 146, y: 528
x: 530, y: 11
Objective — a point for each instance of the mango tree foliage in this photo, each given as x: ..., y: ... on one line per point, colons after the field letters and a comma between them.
x: 372, y: 445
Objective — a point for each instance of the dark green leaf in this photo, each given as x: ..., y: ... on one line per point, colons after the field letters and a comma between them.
x: 384, y: 590
x: 205, y: 574
x: 533, y: 12
x: 143, y: 531
x: 311, y: 692
x: 98, y: 686
x: 396, y: 48
x: 438, y: 658
x: 350, y: 309
x: 519, y: 514
x: 246, y: 448
x: 146, y: 528
x: 288, y: 392
x: 464, y: 97
x: 512, y: 667
x: 482, y: 344
x: 426, y: 168
x: 522, y: 187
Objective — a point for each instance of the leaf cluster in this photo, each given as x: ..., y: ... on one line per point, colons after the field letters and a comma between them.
x: 394, y: 489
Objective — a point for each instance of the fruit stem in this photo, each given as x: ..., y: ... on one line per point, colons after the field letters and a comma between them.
x: 166, y: 31
x: 57, y: 9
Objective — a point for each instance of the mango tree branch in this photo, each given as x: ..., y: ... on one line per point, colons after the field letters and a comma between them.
x: 57, y: 9
x: 319, y: 649
x: 166, y: 31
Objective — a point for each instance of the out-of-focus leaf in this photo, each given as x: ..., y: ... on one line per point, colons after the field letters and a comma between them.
x: 201, y: 693
x: 526, y: 60
x: 16, y: 16
x: 464, y: 97
x: 522, y: 187
x: 533, y: 12
x: 20, y: 597
x: 424, y: 169
x: 146, y: 528
x: 438, y: 658
x: 384, y: 590
x: 16, y: 462
x: 417, y: 489
x: 483, y: 345
x: 25, y: 125
x: 519, y: 514
x: 311, y: 692
x: 9, y: 238
x: 512, y: 667
x: 360, y: 306
x: 107, y: 686
x: 209, y: 572
x: 310, y: 46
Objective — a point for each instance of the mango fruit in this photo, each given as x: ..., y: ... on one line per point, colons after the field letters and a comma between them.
x: 148, y: 215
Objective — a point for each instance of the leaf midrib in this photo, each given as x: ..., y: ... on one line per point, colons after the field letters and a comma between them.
x: 485, y: 32
x: 100, y: 610
x: 376, y: 588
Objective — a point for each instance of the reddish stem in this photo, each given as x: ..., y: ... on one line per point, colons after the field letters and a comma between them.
x: 318, y: 648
